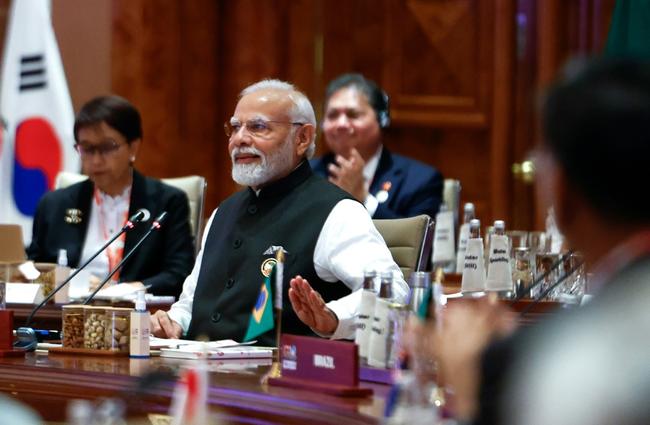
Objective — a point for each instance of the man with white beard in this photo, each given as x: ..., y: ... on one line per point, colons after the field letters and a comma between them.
x: 328, y: 238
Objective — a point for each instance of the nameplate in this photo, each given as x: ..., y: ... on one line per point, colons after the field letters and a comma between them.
x: 6, y: 329
x: 320, y: 360
x: 24, y: 293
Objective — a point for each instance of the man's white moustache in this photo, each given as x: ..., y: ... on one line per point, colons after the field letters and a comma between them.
x: 249, y: 150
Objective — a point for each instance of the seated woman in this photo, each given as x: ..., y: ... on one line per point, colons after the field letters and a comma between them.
x: 84, y: 216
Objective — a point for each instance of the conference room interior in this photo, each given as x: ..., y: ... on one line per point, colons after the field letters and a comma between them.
x: 464, y: 79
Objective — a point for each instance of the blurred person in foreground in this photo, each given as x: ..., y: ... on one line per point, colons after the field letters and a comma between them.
x: 389, y: 185
x: 592, y: 167
x: 328, y: 238
x: 16, y: 413
x: 82, y: 217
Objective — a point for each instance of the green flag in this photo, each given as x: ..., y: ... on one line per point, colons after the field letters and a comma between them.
x: 629, y: 31
x: 261, y: 319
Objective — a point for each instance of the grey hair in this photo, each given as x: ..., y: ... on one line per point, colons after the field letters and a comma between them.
x: 302, y: 110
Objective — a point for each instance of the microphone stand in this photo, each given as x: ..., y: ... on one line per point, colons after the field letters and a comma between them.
x: 154, y: 226
x: 550, y: 288
x: 128, y: 226
x: 27, y: 340
x: 540, y: 279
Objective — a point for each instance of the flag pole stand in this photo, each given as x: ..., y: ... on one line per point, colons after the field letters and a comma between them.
x: 276, y: 367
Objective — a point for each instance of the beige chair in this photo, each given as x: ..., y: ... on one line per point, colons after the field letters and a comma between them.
x: 12, y: 248
x: 193, y: 186
x: 409, y: 241
x: 67, y: 178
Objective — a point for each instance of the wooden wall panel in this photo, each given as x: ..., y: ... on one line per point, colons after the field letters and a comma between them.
x: 164, y: 59
x: 437, y: 70
x: 83, y: 32
x: 436, y: 60
x: 462, y: 91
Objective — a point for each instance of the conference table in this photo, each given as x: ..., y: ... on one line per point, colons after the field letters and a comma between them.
x: 46, y: 382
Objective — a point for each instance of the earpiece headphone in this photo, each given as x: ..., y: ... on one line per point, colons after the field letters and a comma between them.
x: 383, y: 111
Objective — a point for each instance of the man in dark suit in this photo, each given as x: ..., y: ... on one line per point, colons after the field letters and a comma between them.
x: 592, y: 168
x: 389, y: 185
x: 82, y: 217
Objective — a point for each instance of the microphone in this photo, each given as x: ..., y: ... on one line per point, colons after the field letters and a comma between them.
x: 540, y: 279
x: 142, y: 214
x: 157, y: 223
x: 26, y: 335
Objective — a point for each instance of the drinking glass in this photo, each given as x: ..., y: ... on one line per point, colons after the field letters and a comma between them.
x: 573, y: 287
x: 539, y: 242
x: 518, y: 239
x: 522, y: 272
x: 544, y: 262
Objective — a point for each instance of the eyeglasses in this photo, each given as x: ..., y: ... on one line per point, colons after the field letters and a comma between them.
x: 103, y: 149
x: 256, y: 127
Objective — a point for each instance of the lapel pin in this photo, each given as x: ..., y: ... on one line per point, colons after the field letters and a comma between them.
x: 73, y: 216
x: 382, y: 195
x: 267, y: 266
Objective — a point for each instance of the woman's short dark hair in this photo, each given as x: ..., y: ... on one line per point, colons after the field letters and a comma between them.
x: 115, y: 111
x: 377, y: 98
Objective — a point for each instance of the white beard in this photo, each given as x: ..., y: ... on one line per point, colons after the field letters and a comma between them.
x: 270, y: 167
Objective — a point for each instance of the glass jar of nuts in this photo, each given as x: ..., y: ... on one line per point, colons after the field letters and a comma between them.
x: 116, y: 333
x: 73, y: 326
x: 95, y: 323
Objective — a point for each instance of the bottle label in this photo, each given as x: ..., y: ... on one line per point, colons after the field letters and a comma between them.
x: 499, y: 276
x: 364, y: 321
x: 378, y: 350
x: 443, y: 243
x: 139, y: 339
x: 473, y: 267
x: 463, y: 235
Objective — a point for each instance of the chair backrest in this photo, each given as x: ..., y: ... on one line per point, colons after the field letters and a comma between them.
x: 193, y: 186
x: 67, y: 178
x: 12, y: 249
x: 409, y: 241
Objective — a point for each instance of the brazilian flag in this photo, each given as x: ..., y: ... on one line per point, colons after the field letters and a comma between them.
x: 261, y: 319
x: 629, y: 31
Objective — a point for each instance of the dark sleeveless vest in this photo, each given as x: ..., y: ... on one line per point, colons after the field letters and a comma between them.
x: 289, y: 213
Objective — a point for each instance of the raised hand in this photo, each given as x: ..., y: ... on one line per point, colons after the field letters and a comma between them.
x: 310, y: 307
x: 348, y: 174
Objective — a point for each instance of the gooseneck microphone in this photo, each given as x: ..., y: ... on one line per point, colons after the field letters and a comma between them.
x: 26, y: 335
x: 154, y: 226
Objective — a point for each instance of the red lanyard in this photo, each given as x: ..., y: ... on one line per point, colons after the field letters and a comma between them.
x: 115, y: 251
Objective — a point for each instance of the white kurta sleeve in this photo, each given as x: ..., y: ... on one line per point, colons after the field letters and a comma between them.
x: 348, y: 244
x: 181, y: 311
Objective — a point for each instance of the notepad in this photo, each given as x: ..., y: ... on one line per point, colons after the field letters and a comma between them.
x: 197, y: 351
x: 156, y: 343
